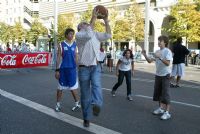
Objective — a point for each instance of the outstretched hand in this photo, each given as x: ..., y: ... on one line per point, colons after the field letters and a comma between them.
x: 144, y: 52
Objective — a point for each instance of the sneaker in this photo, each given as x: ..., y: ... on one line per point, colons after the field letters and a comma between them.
x: 113, y: 93
x: 165, y: 116
x: 177, y: 86
x: 158, y: 111
x: 58, y: 108
x: 172, y: 85
x: 86, y: 123
x: 76, y: 107
x: 129, y: 97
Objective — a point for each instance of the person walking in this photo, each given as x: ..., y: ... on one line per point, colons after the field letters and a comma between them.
x: 102, y: 56
x: 178, y: 67
x: 66, y: 70
x: 125, y: 67
x: 88, y: 43
x: 163, y: 59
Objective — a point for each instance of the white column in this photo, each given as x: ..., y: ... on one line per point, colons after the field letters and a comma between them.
x: 157, y: 33
x: 55, y: 33
x: 146, y: 31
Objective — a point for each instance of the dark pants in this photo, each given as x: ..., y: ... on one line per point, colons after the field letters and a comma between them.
x: 127, y: 74
x: 161, y: 89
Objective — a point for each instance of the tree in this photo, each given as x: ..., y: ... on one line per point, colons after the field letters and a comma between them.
x: 18, y: 32
x: 5, y: 32
x: 37, y: 29
x: 184, y: 21
x: 64, y: 21
x: 121, y: 30
x: 135, y: 21
x: 86, y: 16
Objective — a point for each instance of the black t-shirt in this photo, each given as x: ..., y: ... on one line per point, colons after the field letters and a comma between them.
x: 180, y: 52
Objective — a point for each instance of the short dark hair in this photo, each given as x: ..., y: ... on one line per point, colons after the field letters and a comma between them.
x: 68, y: 30
x: 165, y: 39
x: 131, y: 54
x: 179, y: 40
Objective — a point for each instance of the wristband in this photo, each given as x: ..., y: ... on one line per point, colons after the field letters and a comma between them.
x: 57, y: 70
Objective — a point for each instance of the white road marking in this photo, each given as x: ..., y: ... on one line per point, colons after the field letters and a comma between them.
x: 176, y: 102
x: 58, y: 115
x: 152, y: 80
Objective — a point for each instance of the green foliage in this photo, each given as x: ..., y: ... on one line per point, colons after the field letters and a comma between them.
x: 19, y: 32
x: 184, y: 21
x: 135, y: 21
x: 121, y: 30
x: 37, y: 29
x: 5, y: 32
x: 64, y: 21
x: 86, y: 16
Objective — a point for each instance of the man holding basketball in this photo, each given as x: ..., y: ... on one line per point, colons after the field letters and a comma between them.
x: 88, y: 43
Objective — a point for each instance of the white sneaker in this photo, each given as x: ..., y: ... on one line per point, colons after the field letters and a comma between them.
x: 158, y: 111
x: 165, y: 116
x: 58, y: 108
x: 76, y: 107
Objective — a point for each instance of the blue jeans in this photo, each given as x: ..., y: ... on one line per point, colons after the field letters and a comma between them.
x: 90, y: 87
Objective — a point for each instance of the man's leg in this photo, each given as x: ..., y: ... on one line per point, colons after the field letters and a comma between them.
x: 84, y: 81
x: 97, y: 98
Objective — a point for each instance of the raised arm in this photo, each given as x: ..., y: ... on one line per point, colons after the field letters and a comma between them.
x: 149, y: 60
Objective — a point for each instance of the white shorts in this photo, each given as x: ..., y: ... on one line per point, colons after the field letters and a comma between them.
x: 68, y: 88
x: 178, y: 69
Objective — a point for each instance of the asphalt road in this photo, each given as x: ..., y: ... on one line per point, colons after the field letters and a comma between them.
x: 28, y: 98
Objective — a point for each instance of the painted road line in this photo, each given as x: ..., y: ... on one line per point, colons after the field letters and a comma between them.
x: 176, y: 102
x: 58, y: 115
x: 152, y: 80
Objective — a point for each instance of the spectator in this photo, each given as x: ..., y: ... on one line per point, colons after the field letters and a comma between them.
x: 178, y: 66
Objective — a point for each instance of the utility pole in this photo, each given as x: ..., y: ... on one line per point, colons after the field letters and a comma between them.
x: 146, y: 30
x: 55, y: 33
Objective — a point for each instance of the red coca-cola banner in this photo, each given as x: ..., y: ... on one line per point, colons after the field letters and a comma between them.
x: 22, y: 60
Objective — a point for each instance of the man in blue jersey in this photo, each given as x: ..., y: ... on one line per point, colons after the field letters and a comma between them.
x: 66, y: 69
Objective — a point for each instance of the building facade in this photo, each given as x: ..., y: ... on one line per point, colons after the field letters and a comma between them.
x: 24, y: 11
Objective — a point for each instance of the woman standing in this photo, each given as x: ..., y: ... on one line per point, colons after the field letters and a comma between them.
x: 125, y: 67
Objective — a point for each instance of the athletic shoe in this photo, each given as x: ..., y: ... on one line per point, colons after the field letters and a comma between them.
x: 86, y: 123
x: 58, y: 108
x: 165, y: 116
x: 113, y: 93
x: 158, y: 111
x: 76, y: 107
x: 129, y: 97
x: 172, y: 85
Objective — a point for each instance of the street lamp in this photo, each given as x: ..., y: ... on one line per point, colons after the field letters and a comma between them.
x: 55, y: 33
x: 146, y: 30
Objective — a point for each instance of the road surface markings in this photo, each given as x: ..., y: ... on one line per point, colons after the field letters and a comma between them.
x: 176, y: 102
x: 58, y: 115
x: 152, y: 80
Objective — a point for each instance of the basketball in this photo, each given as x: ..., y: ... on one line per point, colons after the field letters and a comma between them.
x: 102, y: 11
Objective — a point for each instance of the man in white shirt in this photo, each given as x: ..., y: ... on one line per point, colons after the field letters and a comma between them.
x: 163, y: 59
x: 88, y: 43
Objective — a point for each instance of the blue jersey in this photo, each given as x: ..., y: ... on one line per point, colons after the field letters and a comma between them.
x: 68, y: 65
x: 68, y: 55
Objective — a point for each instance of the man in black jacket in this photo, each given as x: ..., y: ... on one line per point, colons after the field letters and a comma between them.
x: 178, y: 67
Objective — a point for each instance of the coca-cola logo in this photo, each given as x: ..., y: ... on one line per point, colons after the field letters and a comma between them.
x: 38, y: 59
x: 8, y: 60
